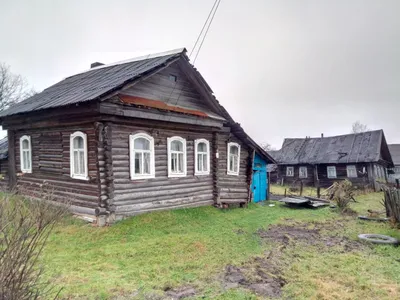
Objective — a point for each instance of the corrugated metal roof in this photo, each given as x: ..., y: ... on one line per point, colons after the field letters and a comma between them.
x: 4, y: 148
x: 92, y: 83
x: 350, y: 148
x: 395, y: 153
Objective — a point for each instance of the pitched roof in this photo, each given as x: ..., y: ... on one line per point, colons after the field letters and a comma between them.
x: 350, y: 148
x: 395, y: 153
x: 93, y: 83
x: 101, y: 81
x: 4, y: 148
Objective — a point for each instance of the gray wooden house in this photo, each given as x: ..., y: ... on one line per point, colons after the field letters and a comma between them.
x: 131, y: 137
x: 395, y: 153
x: 362, y: 158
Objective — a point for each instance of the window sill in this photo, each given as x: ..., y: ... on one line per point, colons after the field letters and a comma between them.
x: 176, y: 175
x: 201, y: 173
x: 142, y: 177
x: 26, y: 171
x: 232, y: 173
x: 86, y: 178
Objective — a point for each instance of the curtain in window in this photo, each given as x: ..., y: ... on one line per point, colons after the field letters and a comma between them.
x: 202, y: 157
x: 142, y: 153
x: 177, y: 157
x: 79, y: 156
x: 234, y: 159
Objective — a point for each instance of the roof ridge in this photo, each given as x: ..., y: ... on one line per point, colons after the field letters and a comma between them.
x: 138, y: 58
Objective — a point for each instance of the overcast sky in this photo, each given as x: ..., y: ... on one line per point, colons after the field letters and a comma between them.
x: 281, y: 68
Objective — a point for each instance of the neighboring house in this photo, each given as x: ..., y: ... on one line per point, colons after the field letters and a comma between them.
x: 362, y: 158
x: 131, y: 137
x: 395, y: 153
x: 4, y: 163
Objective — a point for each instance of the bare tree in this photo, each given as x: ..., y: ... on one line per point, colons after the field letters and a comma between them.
x: 25, y: 226
x: 267, y: 147
x: 358, y: 127
x: 13, y: 88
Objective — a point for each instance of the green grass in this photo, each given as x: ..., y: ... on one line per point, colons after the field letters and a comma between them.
x: 192, y: 247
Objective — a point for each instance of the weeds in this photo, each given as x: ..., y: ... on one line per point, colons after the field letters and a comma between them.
x: 25, y: 226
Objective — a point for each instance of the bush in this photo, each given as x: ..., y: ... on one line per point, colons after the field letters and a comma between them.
x: 342, y: 193
x: 25, y: 226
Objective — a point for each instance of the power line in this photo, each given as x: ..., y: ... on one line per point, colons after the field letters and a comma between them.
x: 205, y: 23
x: 205, y: 35
x: 212, y: 14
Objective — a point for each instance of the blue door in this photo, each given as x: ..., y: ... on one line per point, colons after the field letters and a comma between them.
x: 259, y: 184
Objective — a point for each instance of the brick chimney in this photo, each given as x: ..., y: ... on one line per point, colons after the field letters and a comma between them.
x: 96, y: 64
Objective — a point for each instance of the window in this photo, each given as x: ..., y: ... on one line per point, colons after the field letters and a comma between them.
x: 176, y: 157
x: 351, y: 171
x: 141, y: 153
x: 25, y: 154
x: 202, y: 157
x: 172, y: 77
x: 78, y: 155
x: 331, y: 172
x: 290, y: 171
x: 303, y: 172
x: 233, y: 159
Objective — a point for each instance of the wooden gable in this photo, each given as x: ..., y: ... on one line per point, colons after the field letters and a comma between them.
x: 168, y: 91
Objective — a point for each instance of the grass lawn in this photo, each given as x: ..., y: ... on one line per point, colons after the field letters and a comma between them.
x: 191, y: 247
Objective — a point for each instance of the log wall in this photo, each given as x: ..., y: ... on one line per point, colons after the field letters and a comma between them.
x: 233, y: 187
x: 322, y: 175
x: 51, y: 165
x: 131, y: 197
x: 4, y: 174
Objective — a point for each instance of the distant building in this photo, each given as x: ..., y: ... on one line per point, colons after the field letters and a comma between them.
x: 363, y: 158
x: 395, y: 153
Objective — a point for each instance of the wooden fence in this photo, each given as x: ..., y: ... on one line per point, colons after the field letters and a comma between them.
x: 392, y: 204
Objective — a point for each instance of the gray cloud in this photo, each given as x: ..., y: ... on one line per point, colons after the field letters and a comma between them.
x: 281, y: 68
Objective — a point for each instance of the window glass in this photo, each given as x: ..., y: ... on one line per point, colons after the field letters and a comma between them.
x: 25, y: 154
x: 177, y: 146
x: 176, y: 157
x: 289, y: 171
x: 303, y: 172
x: 331, y: 172
x: 351, y: 171
x: 142, y: 156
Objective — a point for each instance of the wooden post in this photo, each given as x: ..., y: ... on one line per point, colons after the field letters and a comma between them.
x: 268, y: 185
x: 397, y: 183
x: 301, y: 187
x: 12, y: 172
x: 318, y: 191
x: 215, y: 169
x: 285, y: 192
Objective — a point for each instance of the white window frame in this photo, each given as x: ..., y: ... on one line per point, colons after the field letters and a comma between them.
x: 349, y: 169
x: 85, y: 155
x: 24, y: 169
x: 196, y: 170
x: 303, y: 168
x: 291, y: 173
x: 169, y: 141
x: 331, y: 168
x: 132, y: 152
x: 232, y: 172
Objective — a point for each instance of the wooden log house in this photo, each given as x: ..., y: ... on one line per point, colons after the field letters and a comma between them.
x: 131, y: 137
x: 362, y: 158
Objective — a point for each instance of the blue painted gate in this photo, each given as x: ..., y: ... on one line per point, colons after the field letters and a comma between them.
x: 259, y: 183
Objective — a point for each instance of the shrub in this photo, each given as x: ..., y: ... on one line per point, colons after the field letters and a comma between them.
x: 25, y: 226
x: 342, y: 193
